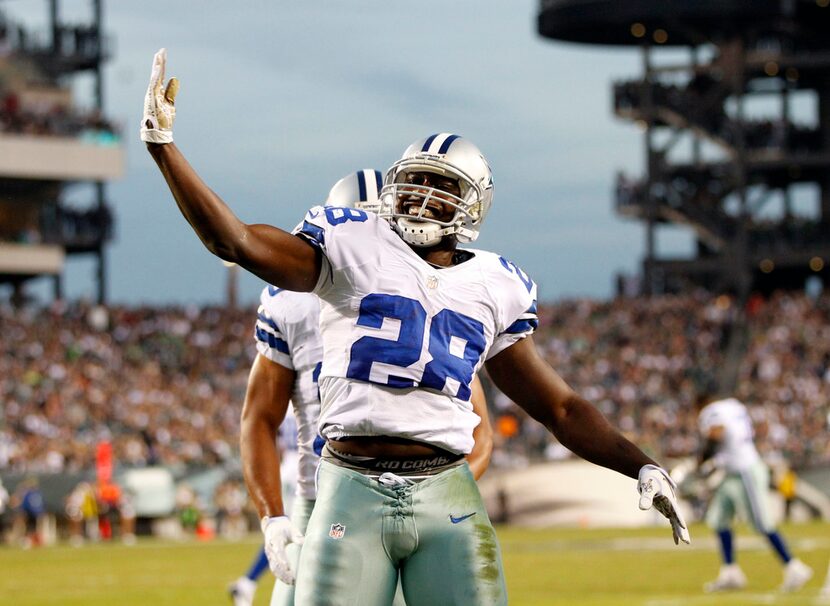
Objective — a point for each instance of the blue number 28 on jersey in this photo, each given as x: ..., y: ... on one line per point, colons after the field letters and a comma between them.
x: 455, y: 345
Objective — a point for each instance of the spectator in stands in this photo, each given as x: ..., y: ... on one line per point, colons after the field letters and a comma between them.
x: 108, y: 496
x: 82, y: 513
x: 786, y: 484
x: 28, y: 500
x: 230, y: 498
x: 188, y: 507
x: 41, y: 119
x: 73, y: 373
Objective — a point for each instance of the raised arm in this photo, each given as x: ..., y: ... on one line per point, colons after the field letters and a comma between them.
x: 273, y: 254
x: 527, y: 379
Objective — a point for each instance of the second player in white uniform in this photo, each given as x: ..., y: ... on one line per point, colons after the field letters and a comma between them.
x: 287, y: 333
x: 726, y: 426
x: 289, y: 357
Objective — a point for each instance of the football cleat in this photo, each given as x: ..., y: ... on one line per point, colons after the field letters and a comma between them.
x: 730, y: 578
x: 242, y: 591
x: 796, y: 575
x: 448, y: 156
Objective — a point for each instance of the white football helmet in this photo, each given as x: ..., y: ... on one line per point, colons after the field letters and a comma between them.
x: 446, y: 155
x: 360, y: 190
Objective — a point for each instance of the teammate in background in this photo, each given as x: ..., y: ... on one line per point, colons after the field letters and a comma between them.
x: 407, y: 320
x: 726, y: 428
x: 287, y: 366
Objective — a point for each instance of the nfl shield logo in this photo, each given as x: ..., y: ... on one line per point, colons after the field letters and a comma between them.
x: 432, y: 282
x: 337, y: 531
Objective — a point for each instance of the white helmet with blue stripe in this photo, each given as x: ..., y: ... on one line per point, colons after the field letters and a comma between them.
x: 448, y: 156
x: 360, y: 190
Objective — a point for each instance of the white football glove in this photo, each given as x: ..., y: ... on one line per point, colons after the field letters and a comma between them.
x: 279, y: 533
x: 159, y: 108
x: 657, y: 488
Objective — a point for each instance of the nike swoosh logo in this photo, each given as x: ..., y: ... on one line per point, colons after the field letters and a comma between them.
x: 455, y: 520
x: 313, y: 215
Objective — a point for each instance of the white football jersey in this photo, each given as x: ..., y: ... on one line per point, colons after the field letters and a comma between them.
x: 288, y: 333
x: 737, y: 451
x: 403, y: 339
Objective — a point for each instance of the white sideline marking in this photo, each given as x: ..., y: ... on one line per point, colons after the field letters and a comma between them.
x: 707, y: 543
x: 736, y: 597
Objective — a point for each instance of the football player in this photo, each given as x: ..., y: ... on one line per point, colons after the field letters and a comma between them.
x: 407, y: 319
x: 726, y: 428
x: 287, y: 366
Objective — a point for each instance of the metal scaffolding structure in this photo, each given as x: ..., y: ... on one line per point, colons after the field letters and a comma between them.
x: 51, y: 61
x: 737, y: 134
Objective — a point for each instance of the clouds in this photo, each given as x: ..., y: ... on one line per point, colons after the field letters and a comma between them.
x: 279, y: 100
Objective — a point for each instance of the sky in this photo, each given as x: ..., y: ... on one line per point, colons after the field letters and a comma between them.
x: 279, y: 100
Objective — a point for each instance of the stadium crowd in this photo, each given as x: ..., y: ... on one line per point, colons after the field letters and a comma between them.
x: 54, y: 120
x: 642, y: 361
x: 166, y: 385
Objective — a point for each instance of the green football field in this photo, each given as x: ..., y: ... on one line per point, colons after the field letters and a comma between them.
x: 555, y: 566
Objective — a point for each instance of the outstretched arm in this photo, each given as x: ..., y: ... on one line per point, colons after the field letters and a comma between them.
x: 524, y: 376
x: 479, y: 457
x: 271, y: 253
x: 527, y: 379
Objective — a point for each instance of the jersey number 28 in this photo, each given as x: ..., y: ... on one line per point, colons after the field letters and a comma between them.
x: 455, y: 345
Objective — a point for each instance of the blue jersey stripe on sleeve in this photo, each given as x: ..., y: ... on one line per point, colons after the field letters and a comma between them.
x: 520, y: 326
x: 379, y: 180
x: 273, y: 341
x: 266, y: 320
x: 313, y: 234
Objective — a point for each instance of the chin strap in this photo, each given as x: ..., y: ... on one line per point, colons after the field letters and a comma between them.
x: 421, y: 233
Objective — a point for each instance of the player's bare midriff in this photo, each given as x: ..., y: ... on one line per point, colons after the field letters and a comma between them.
x: 385, y: 446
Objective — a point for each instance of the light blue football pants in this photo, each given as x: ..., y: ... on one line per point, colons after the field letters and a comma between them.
x: 745, y: 493
x: 435, y: 533
x: 283, y: 595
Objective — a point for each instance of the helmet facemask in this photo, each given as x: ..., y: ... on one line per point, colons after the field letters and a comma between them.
x: 414, y: 227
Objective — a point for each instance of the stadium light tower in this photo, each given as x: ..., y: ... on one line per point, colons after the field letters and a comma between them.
x: 48, y: 144
x: 737, y: 133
